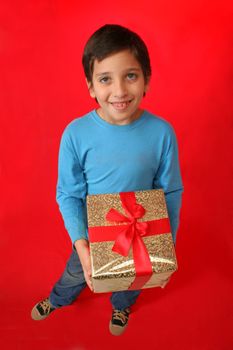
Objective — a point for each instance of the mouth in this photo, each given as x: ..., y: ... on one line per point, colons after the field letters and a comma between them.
x: 121, y: 105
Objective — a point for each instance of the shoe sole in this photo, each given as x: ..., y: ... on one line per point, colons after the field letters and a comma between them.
x: 36, y: 316
x: 116, y: 330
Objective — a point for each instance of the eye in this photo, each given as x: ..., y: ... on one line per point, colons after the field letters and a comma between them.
x: 104, y: 80
x: 131, y: 76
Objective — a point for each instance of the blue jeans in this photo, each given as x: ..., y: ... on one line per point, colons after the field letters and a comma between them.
x: 72, y: 282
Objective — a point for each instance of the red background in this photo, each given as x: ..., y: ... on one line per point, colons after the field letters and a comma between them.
x: 42, y: 89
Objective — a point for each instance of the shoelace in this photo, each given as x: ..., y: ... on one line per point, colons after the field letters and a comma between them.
x: 120, y: 315
x: 45, y: 306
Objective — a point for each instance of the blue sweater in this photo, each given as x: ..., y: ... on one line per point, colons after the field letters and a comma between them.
x: 96, y: 157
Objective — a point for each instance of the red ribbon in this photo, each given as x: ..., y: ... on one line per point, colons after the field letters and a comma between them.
x: 130, y: 234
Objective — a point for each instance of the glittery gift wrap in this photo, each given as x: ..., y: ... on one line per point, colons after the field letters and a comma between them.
x: 114, y: 272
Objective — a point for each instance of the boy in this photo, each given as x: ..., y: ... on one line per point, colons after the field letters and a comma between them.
x: 116, y: 148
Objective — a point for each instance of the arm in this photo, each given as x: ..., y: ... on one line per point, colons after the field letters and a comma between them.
x: 71, y: 194
x: 82, y: 248
x: 71, y: 190
x: 169, y: 179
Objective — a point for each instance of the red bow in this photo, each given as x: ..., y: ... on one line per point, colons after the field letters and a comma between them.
x: 131, y: 235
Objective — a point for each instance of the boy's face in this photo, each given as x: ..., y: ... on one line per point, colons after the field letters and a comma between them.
x: 118, y: 84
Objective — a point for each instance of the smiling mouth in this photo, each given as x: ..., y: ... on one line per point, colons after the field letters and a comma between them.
x: 121, y: 105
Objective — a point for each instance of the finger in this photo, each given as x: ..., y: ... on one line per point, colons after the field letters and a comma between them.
x: 88, y: 281
x: 90, y: 284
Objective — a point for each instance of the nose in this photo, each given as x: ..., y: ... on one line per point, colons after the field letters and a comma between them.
x: 119, y: 89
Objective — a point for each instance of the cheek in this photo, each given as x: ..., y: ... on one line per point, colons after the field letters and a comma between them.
x: 102, y: 94
x: 138, y: 91
x: 138, y: 88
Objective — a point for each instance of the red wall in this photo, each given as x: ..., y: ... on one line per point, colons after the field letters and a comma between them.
x: 43, y: 88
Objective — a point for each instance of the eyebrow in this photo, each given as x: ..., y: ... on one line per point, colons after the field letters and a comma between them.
x: 104, y: 73
x: 126, y: 70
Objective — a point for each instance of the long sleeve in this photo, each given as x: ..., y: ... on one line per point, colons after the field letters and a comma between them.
x: 71, y: 190
x: 169, y: 179
x: 96, y: 157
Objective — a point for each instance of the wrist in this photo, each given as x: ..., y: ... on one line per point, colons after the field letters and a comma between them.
x: 80, y: 244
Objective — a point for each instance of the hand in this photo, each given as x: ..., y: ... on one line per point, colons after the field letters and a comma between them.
x: 82, y: 247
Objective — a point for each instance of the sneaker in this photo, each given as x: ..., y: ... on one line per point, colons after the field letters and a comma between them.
x: 42, y: 310
x: 119, y: 321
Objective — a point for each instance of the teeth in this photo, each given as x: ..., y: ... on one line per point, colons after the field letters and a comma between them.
x: 120, y: 105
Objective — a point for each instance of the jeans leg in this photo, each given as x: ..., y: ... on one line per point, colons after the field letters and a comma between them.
x: 71, y: 283
x: 123, y: 299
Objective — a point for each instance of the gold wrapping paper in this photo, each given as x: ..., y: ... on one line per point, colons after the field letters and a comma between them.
x: 113, y: 272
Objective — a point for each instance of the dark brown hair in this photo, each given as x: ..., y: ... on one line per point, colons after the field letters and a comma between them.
x: 110, y: 39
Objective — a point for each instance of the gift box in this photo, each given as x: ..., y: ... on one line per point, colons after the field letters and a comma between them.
x: 131, y: 245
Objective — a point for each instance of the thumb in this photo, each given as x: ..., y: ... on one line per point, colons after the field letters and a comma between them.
x: 89, y: 272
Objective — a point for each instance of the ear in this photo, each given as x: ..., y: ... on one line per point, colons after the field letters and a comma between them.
x: 147, y: 86
x: 90, y: 88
